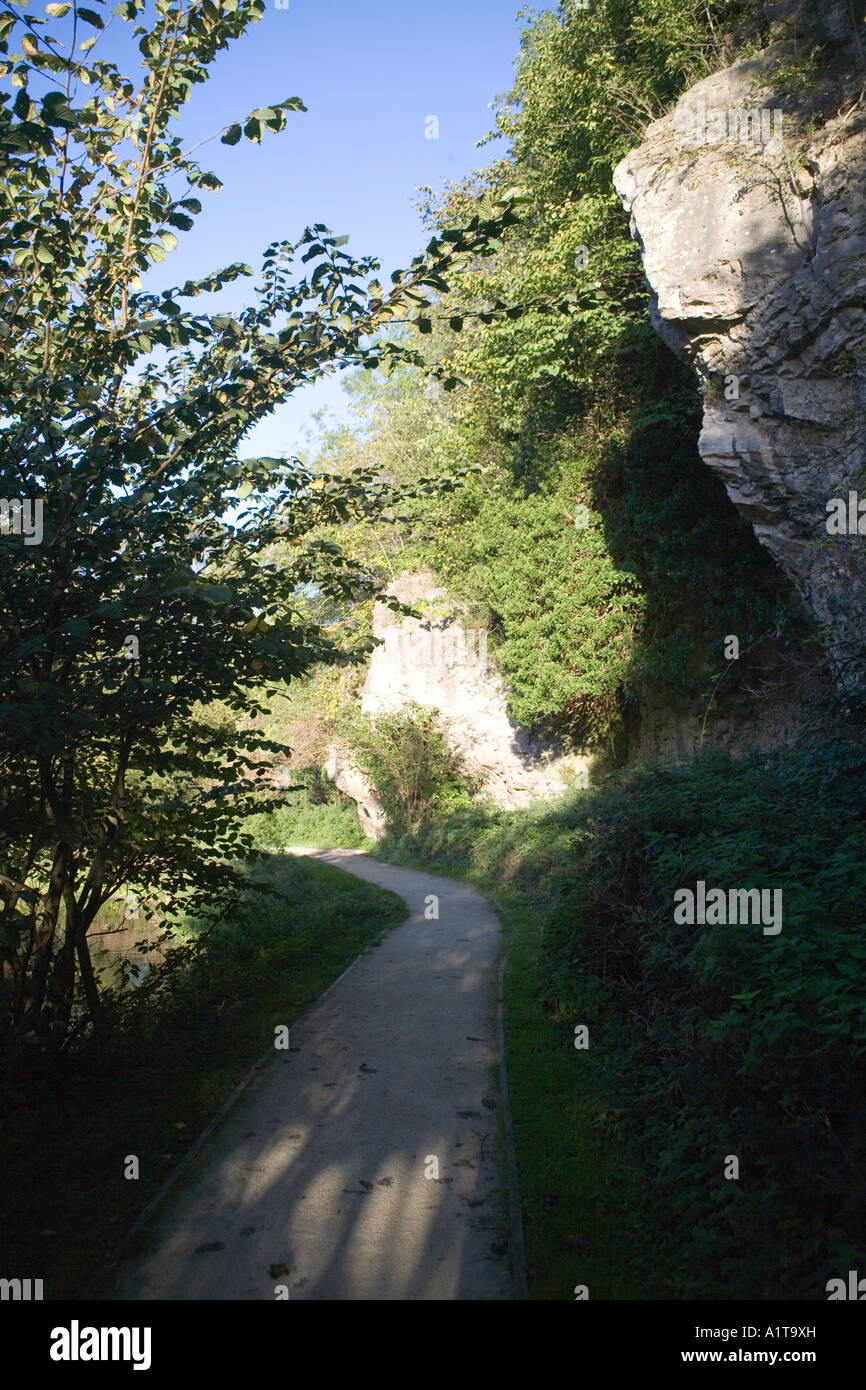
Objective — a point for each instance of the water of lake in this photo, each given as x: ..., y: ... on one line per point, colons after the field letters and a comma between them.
x: 111, y: 945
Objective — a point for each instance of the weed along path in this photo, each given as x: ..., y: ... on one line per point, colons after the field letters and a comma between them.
x: 368, y: 1160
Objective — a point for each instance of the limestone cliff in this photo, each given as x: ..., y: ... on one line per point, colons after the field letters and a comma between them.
x: 749, y: 207
x: 441, y: 662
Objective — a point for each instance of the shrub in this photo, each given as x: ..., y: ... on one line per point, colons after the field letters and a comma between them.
x: 415, y: 772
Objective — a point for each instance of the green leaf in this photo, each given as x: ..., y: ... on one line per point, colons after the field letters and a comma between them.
x: 44, y: 256
x: 516, y: 196
x: 232, y: 135
x: 218, y: 594
x: 90, y: 17
x: 58, y: 11
x: 271, y: 117
x: 58, y: 113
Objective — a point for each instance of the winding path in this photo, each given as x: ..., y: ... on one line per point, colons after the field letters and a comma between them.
x: 369, y: 1160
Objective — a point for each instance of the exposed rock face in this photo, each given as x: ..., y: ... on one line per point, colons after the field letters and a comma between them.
x: 753, y: 238
x: 439, y: 663
x: 349, y: 779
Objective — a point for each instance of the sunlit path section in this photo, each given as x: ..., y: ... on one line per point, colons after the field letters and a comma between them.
x: 366, y: 1161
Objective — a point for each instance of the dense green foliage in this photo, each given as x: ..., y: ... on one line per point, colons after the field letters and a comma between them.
x: 708, y: 1040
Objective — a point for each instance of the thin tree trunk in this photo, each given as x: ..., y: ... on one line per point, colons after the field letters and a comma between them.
x: 88, y: 983
x: 77, y: 923
x: 44, y: 945
x: 23, y: 971
x: 64, y: 969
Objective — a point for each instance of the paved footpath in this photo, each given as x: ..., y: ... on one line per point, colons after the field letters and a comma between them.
x: 322, y: 1164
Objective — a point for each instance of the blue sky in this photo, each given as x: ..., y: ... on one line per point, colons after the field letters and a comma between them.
x: 370, y: 75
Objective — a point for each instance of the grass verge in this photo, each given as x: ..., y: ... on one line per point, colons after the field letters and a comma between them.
x: 709, y: 1142
x: 583, y: 1204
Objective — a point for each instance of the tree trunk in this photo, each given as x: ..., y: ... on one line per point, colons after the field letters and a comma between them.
x: 64, y: 969
x: 34, y: 1017
x: 88, y: 983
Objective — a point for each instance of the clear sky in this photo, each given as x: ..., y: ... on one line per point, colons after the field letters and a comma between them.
x: 370, y: 74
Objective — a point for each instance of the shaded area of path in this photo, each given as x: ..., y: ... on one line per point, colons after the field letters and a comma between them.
x: 322, y: 1164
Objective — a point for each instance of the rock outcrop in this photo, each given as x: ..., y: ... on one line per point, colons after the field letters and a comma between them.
x: 350, y: 780
x: 441, y: 662
x: 750, y: 211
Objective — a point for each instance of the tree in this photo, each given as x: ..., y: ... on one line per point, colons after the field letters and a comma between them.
x: 132, y: 593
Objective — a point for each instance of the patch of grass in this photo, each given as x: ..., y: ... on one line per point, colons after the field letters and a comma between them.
x: 577, y: 1227
x: 326, y: 825
x: 182, y: 1042
x: 315, y: 814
